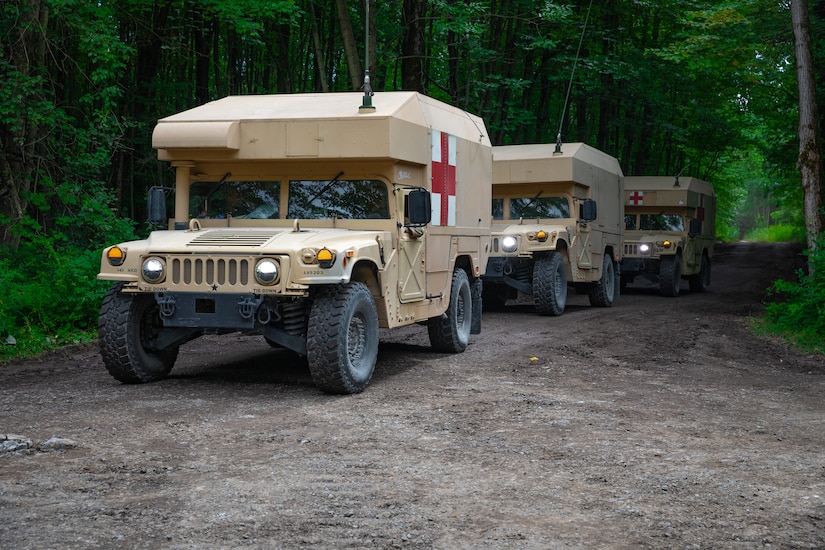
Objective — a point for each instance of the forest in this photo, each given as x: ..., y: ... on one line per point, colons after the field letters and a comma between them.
x: 712, y: 89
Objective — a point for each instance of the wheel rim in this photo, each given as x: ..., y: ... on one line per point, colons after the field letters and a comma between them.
x: 462, y: 319
x: 609, y: 280
x: 357, y: 342
x: 559, y: 286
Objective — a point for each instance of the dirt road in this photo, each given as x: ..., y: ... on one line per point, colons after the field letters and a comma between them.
x: 657, y: 423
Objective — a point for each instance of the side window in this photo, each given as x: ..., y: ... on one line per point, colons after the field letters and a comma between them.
x: 630, y: 222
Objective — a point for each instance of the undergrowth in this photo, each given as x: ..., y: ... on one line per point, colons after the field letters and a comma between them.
x: 796, y: 309
x: 50, y: 299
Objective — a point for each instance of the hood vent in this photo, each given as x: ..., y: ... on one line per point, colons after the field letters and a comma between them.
x: 230, y: 238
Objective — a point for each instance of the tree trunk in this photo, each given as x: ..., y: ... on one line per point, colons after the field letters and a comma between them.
x: 202, y: 49
x: 810, y: 161
x: 350, y: 48
x: 412, y: 48
x: 25, y: 46
x: 321, y: 82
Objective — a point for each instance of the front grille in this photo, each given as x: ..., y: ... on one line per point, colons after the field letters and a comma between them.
x: 209, y: 271
x: 631, y: 249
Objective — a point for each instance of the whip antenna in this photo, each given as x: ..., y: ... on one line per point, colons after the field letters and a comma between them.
x: 570, y: 84
x: 366, y: 104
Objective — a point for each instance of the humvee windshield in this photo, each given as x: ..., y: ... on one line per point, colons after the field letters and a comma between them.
x: 533, y: 207
x: 343, y: 199
x: 239, y: 199
x: 661, y: 222
x: 308, y: 199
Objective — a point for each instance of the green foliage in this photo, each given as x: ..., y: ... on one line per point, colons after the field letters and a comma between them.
x: 660, y: 85
x: 778, y: 233
x: 51, y: 298
x: 797, y: 310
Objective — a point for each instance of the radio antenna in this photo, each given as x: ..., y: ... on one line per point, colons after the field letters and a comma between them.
x: 570, y: 84
x: 676, y: 181
x: 366, y: 104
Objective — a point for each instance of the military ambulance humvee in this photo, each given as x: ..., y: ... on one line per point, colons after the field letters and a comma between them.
x: 669, y: 232
x: 313, y: 221
x: 547, y: 230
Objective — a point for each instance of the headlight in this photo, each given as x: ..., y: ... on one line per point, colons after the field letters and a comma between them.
x: 644, y: 248
x: 153, y: 270
x: 266, y: 272
x: 509, y: 244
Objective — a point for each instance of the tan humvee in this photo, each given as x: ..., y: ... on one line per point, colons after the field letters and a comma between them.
x: 547, y: 232
x: 312, y: 220
x: 670, y: 232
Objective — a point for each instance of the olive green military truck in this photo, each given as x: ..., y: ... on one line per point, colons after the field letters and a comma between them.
x: 669, y: 232
x: 557, y: 221
x: 313, y: 221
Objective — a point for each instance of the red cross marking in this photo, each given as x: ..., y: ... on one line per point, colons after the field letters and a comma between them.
x: 700, y: 210
x: 637, y: 198
x: 444, y: 175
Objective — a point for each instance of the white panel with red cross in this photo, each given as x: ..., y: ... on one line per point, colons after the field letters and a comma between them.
x: 636, y: 198
x: 444, y: 172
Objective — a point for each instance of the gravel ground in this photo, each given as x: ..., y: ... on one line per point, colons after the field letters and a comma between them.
x: 657, y: 423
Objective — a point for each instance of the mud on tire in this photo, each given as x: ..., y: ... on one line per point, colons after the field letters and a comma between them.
x: 128, y: 324
x: 342, y: 338
x: 451, y: 331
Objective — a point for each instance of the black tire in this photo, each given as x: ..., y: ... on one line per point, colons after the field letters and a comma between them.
x: 494, y: 296
x: 670, y: 275
x: 701, y: 281
x: 603, y: 294
x: 342, y: 338
x: 550, y: 284
x: 128, y: 324
x: 451, y: 331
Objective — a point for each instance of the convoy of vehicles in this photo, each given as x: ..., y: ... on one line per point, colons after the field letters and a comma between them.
x: 557, y: 221
x: 670, y: 232
x: 313, y: 221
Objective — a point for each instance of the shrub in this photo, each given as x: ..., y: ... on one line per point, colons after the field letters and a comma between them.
x: 798, y: 313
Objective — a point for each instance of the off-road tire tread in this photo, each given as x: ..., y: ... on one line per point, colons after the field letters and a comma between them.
x: 326, y: 343
x: 443, y: 330
x: 602, y: 295
x: 670, y: 275
x: 545, y: 270
x: 699, y: 282
x: 120, y: 355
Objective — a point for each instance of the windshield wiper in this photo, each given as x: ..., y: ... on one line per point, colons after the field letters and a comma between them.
x: 534, y: 199
x: 324, y: 188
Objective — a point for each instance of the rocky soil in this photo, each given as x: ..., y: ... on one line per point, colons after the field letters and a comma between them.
x: 657, y: 423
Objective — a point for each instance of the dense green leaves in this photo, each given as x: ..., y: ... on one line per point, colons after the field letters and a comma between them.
x: 666, y: 86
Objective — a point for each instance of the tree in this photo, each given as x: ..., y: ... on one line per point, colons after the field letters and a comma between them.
x: 810, y: 159
x: 22, y: 104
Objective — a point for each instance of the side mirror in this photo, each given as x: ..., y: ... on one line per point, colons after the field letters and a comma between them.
x: 419, y: 209
x: 157, y: 206
x: 588, y: 210
x: 695, y: 227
